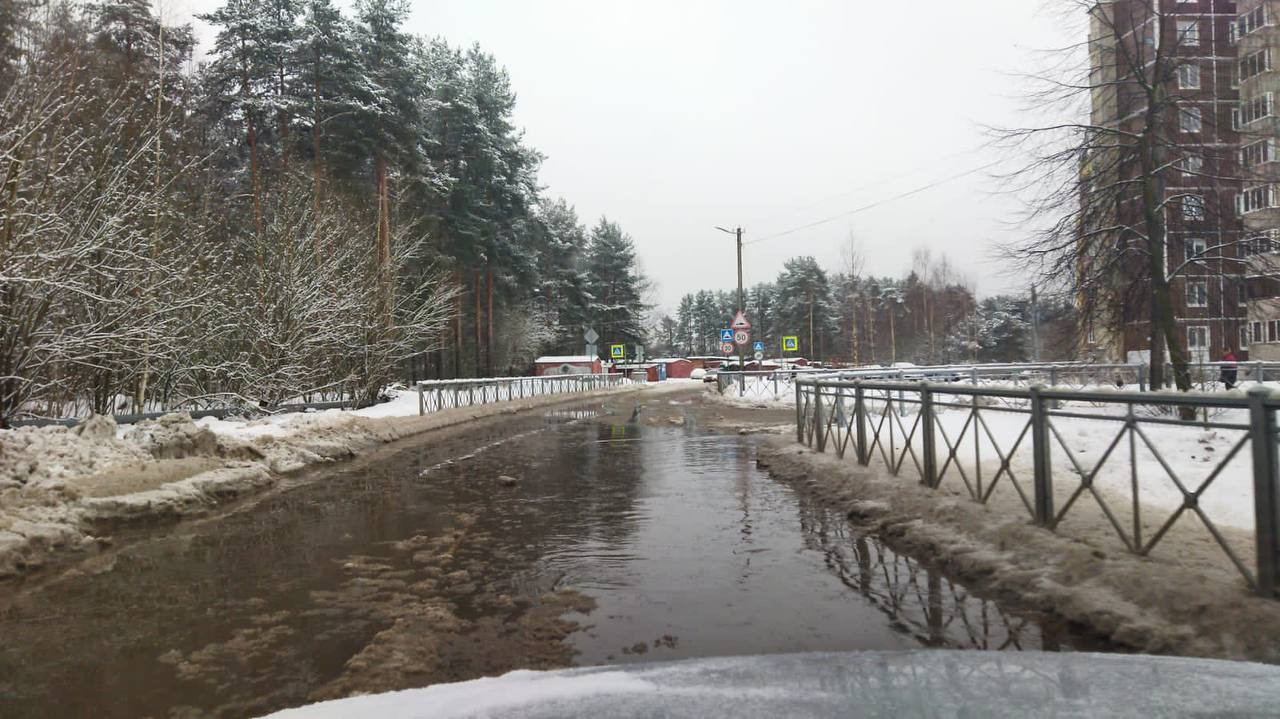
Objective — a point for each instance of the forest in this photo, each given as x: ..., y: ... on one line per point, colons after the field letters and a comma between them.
x: 929, y: 316
x: 319, y: 205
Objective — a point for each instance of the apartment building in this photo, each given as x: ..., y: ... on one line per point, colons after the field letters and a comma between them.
x: 1199, y: 182
x: 1257, y: 39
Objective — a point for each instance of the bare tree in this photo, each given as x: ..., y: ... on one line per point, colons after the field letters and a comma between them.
x: 75, y: 238
x: 853, y: 261
x: 1134, y: 155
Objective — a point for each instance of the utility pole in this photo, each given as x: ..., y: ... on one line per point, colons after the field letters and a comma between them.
x: 742, y: 303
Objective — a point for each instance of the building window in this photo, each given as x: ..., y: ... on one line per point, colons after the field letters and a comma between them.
x: 1196, y: 248
x: 1197, y: 294
x: 1273, y: 331
x: 1189, y: 77
x: 1198, y: 343
x: 1263, y: 244
x: 1189, y: 120
x: 1257, y: 332
x: 1192, y: 165
x: 1253, y: 110
x: 1250, y: 22
x: 1257, y: 198
x: 1258, y: 153
x: 1192, y: 208
x: 1245, y: 341
x: 1255, y: 64
x: 1189, y: 32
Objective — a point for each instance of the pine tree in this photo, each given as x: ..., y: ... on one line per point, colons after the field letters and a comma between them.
x: 388, y: 115
x: 616, y: 285
x: 328, y: 76
x: 805, y: 306
x: 561, y: 283
x: 237, y: 82
x: 684, y: 326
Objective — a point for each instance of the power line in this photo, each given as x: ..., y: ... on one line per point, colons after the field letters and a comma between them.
x: 852, y: 191
x: 878, y: 203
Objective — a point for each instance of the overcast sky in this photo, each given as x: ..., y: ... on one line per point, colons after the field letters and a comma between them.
x: 674, y: 116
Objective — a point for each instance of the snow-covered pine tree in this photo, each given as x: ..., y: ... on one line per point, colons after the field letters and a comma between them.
x: 237, y: 83
x: 805, y: 307
x: 326, y: 79
x: 616, y: 285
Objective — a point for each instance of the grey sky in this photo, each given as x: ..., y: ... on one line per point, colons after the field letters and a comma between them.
x: 673, y: 116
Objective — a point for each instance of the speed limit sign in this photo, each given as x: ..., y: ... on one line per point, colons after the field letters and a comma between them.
x: 742, y: 338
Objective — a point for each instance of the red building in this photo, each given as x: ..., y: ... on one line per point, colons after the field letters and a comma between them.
x: 545, y: 366
x: 677, y: 368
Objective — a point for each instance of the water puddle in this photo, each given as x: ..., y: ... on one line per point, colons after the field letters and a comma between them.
x: 611, y: 537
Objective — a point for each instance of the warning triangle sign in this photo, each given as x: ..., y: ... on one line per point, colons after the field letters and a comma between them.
x: 740, y: 322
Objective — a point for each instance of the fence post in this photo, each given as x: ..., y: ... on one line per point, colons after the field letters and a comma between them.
x: 799, y: 413
x: 819, y: 425
x: 1260, y: 376
x: 1266, y: 489
x: 422, y: 403
x: 860, y: 416
x: 1142, y: 378
x: 1043, y: 476
x: 930, y: 478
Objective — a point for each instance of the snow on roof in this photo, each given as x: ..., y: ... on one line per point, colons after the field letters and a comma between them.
x: 668, y: 360
x: 563, y: 360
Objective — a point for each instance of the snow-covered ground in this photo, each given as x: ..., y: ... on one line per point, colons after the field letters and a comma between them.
x: 1191, y: 453
x: 404, y: 403
x: 921, y: 683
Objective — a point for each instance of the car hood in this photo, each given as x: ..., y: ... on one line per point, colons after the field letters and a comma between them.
x: 868, y: 684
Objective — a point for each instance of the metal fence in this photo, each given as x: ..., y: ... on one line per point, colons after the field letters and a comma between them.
x: 438, y: 395
x: 244, y: 409
x: 1204, y: 376
x: 900, y: 422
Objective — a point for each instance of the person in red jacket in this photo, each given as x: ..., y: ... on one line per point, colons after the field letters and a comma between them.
x: 1230, y: 371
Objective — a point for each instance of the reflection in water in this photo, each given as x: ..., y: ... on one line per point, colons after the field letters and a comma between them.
x: 416, y: 565
x: 919, y: 600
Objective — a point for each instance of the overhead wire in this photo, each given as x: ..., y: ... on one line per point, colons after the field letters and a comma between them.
x: 873, y: 205
x: 879, y: 182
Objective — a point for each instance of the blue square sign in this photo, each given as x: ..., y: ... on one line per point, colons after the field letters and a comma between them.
x: 759, y: 347
x: 726, y: 335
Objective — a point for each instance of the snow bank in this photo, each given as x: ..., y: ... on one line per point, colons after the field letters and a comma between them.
x: 1186, y: 598
x: 60, y: 487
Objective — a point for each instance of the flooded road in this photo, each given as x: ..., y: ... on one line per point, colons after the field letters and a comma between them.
x: 604, y: 533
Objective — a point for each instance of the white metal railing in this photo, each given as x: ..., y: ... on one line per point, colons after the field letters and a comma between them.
x: 900, y: 424
x: 1078, y: 375
x: 437, y: 395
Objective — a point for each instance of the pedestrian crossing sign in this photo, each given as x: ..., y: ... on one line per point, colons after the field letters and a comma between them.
x: 790, y: 344
x: 618, y: 352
